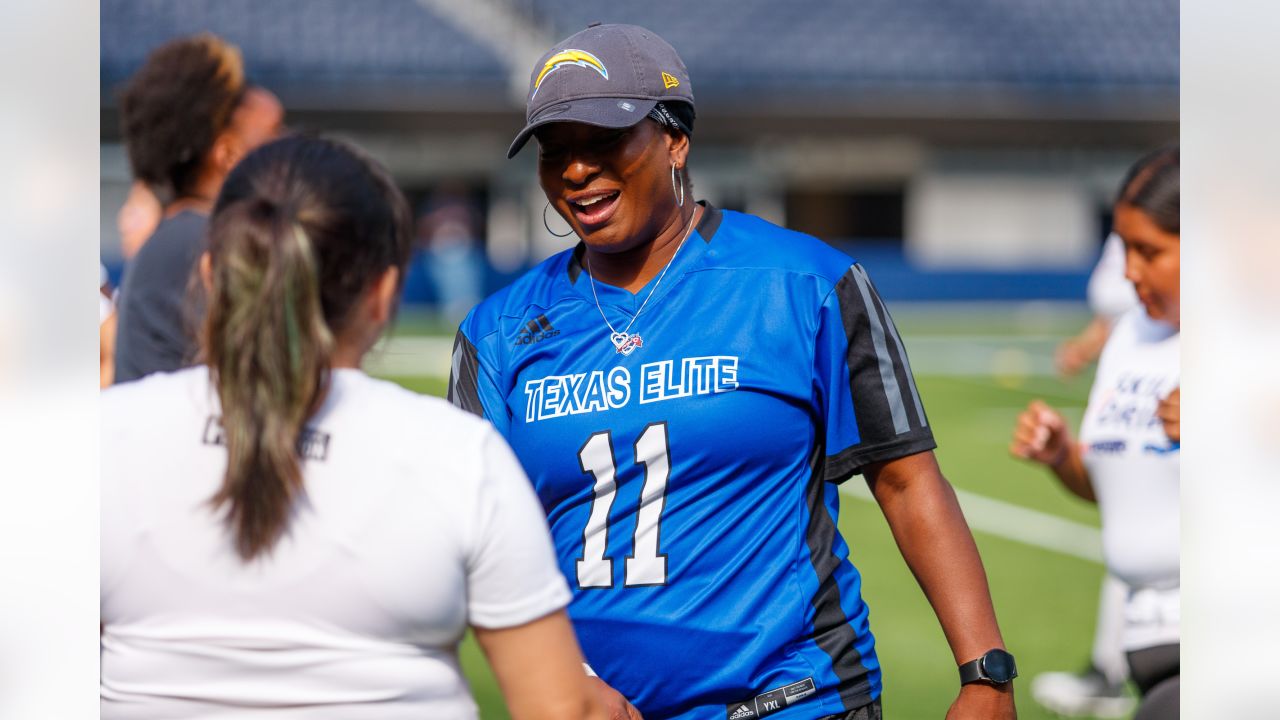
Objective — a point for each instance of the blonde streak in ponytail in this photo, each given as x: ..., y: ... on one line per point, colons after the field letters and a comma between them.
x: 269, y: 348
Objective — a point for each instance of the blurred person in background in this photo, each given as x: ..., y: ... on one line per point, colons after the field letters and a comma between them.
x: 687, y: 387
x: 1098, y: 691
x: 187, y: 116
x: 449, y: 229
x: 136, y: 220
x: 1110, y: 296
x: 331, y: 536
x: 1128, y: 456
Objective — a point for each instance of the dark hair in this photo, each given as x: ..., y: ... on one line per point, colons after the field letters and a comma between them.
x: 1151, y: 186
x: 301, y: 228
x: 676, y: 118
x: 174, y: 107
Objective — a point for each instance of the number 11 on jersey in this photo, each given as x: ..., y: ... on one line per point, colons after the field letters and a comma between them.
x: 644, y: 566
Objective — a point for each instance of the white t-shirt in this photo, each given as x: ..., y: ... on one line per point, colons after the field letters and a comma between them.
x: 417, y: 520
x: 1134, y: 468
x: 1110, y: 293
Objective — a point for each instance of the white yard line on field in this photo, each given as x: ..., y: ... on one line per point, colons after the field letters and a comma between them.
x: 1009, y: 356
x: 1014, y: 522
x: 412, y: 356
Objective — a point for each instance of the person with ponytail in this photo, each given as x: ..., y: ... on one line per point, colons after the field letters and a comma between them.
x: 1128, y: 455
x: 283, y: 535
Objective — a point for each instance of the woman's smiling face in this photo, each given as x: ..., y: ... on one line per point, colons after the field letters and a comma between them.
x: 1151, y: 263
x: 613, y: 185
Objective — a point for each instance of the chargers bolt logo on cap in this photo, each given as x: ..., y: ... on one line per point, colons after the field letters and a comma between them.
x: 581, y: 58
x: 640, y: 71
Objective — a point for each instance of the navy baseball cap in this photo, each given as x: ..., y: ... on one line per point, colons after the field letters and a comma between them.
x: 610, y: 76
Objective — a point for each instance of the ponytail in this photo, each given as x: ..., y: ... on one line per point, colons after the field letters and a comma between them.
x: 268, y: 348
x: 302, y: 228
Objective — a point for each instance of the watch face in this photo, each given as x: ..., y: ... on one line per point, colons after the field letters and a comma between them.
x: 998, y: 666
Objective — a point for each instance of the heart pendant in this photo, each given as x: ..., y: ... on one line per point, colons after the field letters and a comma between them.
x: 625, y: 343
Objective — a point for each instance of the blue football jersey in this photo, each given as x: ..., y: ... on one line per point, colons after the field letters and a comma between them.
x: 690, y: 483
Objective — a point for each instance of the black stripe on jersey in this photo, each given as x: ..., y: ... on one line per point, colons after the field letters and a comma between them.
x: 831, y: 629
x: 710, y: 221
x: 886, y: 404
x: 898, y: 352
x: 575, y: 263
x: 464, y: 376
x: 544, y: 322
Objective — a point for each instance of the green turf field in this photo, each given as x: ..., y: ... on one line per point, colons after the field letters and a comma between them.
x: 1045, y: 599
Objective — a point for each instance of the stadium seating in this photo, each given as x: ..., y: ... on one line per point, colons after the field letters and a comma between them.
x: 334, y: 44
x: 1048, y: 46
x: 1054, y: 45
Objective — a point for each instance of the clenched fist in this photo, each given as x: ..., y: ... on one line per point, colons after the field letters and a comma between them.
x: 1041, y: 435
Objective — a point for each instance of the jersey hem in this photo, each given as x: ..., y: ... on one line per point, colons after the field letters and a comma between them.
x: 852, y: 461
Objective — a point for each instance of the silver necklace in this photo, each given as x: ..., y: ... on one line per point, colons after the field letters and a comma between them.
x: 624, y: 342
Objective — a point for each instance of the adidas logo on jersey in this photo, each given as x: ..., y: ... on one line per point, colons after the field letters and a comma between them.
x: 536, y: 330
x: 742, y: 713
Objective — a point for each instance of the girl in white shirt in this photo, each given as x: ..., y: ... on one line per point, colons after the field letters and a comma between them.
x: 1127, y: 458
x: 286, y: 537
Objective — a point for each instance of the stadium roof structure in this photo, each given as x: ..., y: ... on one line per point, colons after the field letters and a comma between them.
x: 1062, y: 60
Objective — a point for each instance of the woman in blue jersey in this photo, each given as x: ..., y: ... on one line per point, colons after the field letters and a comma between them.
x: 686, y: 388
x: 1127, y: 458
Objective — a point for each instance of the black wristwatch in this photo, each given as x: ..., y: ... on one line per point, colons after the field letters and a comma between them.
x: 996, y: 667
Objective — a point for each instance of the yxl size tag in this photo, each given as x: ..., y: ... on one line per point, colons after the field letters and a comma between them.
x: 766, y: 704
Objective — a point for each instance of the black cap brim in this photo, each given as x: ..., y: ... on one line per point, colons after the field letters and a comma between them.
x: 598, y: 111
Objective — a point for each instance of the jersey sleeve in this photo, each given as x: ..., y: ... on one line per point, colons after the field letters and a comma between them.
x: 472, y: 385
x: 864, y: 382
x: 512, y: 574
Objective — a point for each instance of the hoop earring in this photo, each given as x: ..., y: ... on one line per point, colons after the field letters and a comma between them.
x: 548, y: 227
x: 679, y: 194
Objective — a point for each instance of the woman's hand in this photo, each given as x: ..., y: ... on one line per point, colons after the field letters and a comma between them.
x: 1041, y: 435
x: 979, y: 701
x: 1169, y: 410
x: 615, y: 705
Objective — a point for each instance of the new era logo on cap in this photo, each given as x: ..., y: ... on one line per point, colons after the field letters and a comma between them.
x: 669, y: 80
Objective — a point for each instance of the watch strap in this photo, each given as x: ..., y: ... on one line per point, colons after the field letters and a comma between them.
x: 971, y: 672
